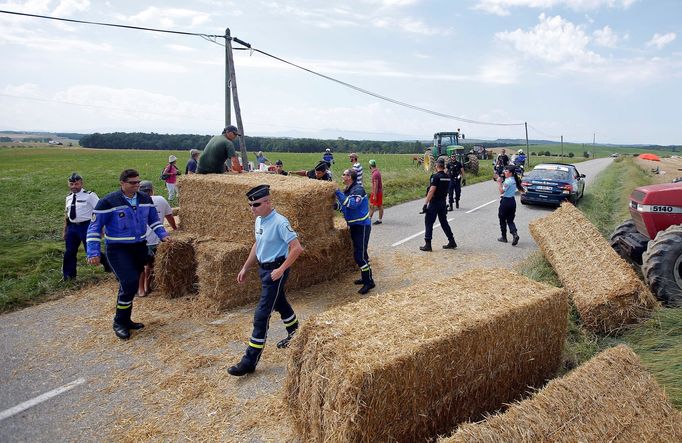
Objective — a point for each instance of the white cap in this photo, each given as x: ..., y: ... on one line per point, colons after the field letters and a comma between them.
x: 172, y: 158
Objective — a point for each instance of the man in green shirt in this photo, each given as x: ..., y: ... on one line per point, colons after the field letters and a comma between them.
x: 217, y: 151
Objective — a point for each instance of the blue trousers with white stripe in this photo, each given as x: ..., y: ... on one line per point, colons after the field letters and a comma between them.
x: 359, y: 235
x: 127, y: 260
x: 272, y: 298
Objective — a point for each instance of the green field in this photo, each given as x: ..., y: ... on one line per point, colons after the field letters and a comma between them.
x: 578, y: 150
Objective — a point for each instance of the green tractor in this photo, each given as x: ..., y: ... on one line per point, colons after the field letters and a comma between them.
x: 446, y: 144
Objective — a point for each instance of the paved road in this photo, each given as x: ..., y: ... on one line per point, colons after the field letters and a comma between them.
x: 60, y: 359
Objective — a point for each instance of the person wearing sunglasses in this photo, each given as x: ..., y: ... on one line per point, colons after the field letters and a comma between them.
x: 276, y: 248
x: 354, y: 205
x: 124, y: 216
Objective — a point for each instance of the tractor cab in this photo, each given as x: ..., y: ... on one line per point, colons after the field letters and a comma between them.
x: 444, y: 144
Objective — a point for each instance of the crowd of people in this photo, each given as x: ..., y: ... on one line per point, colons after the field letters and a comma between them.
x: 130, y: 221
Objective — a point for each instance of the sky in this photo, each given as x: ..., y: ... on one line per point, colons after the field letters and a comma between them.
x: 603, y: 70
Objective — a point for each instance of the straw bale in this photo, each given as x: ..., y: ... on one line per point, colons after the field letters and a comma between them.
x: 605, y: 289
x: 215, y: 204
x: 610, y: 398
x: 409, y: 364
x: 175, y: 266
x: 218, y: 264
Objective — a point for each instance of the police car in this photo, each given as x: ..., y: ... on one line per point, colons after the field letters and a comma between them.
x: 552, y: 183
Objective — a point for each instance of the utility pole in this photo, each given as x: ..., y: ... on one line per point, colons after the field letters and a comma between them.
x: 562, y: 146
x: 235, y: 98
x: 228, y: 104
x: 527, y: 149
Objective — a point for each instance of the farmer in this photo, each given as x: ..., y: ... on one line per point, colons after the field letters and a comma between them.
x: 353, y: 204
x: 217, y: 151
x: 124, y: 215
x: 275, y: 250
x: 79, y: 206
x: 435, y: 207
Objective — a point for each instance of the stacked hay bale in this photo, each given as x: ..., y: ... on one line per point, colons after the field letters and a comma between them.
x: 214, y: 208
x: 610, y: 398
x: 410, y: 364
x: 605, y: 289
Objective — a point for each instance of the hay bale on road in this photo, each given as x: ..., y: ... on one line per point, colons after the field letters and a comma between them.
x: 175, y: 266
x: 612, y: 398
x: 605, y: 289
x: 215, y: 204
x: 409, y: 364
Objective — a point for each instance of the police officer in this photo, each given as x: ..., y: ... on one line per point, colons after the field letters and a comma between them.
x: 455, y: 171
x: 435, y: 206
x: 354, y: 205
x: 79, y: 206
x: 124, y: 216
x: 275, y: 250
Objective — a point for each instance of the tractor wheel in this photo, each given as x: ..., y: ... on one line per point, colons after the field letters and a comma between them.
x: 429, y: 162
x: 627, y: 227
x: 472, y: 164
x: 662, y: 265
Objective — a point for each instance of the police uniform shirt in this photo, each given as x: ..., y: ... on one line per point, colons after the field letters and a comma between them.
x: 454, y: 169
x: 441, y: 181
x: 273, y: 234
x: 85, y: 203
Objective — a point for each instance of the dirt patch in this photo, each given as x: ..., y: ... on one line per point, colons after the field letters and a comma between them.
x: 668, y: 168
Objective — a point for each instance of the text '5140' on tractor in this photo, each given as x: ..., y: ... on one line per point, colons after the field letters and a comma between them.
x: 652, y: 238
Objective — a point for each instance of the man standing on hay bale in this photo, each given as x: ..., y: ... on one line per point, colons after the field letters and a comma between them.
x: 275, y: 250
x: 124, y: 216
x: 217, y: 151
x: 435, y: 206
x: 320, y: 172
x: 354, y: 205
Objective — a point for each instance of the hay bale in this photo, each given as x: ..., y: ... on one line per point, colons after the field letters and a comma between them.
x: 612, y: 397
x: 605, y: 289
x: 409, y: 364
x: 175, y: 266
x: 215, y: 204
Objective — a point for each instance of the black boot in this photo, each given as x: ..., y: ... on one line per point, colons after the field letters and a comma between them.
x: 457, y: 204
x: 426, y: 247
x: 503, y: 239
x: 121, y: 319
x: 450, y: 207
x: 358, y: 282
x: 284, y: 343
x: 132, y: 324
x: 368, y: 282
x: 240, y: 369
x: 515, y: 239
x: 451, y: 244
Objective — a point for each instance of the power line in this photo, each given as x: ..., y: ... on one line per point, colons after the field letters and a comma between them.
x: 213, y: 39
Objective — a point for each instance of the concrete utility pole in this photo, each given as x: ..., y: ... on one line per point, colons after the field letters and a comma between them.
x: 235, y: 98
x: 562, y: 146
x: 228, y: 104
x: 527, y: 149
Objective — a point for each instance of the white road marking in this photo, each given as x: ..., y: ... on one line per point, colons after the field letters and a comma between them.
x: 400, y: 242
x: 39, y: 399
x: 483, y: 205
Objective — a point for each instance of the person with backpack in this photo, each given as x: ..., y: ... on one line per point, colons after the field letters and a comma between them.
x: 170, y: 175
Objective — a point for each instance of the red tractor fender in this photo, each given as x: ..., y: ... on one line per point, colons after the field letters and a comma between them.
x: 655, y: 208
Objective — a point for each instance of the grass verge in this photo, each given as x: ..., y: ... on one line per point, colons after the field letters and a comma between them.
x: 658, y: 341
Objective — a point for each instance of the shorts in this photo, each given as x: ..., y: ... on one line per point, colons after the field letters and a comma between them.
x: 376, y: 200
x: 151, y: 253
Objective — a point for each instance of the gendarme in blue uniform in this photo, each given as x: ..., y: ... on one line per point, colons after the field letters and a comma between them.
x: 354, y: 205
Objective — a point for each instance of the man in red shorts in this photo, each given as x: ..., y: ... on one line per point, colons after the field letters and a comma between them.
x: 376, y: 198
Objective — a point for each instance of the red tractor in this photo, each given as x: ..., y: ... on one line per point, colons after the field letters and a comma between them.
x: 652, y: 238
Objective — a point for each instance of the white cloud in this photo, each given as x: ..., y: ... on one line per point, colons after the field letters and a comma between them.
x: 553, y: 40
x: 661, y: 40
x: 24, y: 90
x: 503, y: 7
x: 168, y: 17
x: 66, y: 8
x: 180, y: 48
x: 606, y: 37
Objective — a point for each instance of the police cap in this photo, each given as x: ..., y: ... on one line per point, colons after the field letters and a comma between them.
x: 75, y: 177
x: 321, y: 166
x: 259, y: 191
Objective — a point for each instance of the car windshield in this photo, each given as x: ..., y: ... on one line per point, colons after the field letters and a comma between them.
x: 547, y: 174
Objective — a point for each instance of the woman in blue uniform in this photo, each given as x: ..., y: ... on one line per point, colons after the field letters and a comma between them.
x: 507, y: 211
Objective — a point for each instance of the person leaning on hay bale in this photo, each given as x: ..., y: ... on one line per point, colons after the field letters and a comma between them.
x: 191, y: 167
x: 319, y: 172
x: 165, y: 211
x: 354, y: 206
x: 436, y: 207
x: 507, y: 211
x: 124, y: 215
x: 275, y: 250
x: 217, y: 151
x: 279, y: 168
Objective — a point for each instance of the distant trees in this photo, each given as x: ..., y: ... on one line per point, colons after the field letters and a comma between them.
x: 571, y: 155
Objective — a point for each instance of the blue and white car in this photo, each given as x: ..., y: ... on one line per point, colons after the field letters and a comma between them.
x: 552, y: 183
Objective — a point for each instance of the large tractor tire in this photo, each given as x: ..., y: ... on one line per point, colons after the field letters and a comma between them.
x: 429, y: 161
x: 627, y: 227
x: 471, y: 165
x: 662, y: 266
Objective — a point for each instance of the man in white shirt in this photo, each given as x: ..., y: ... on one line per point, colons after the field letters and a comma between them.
x: 78, y: 212
x: 165, y: 211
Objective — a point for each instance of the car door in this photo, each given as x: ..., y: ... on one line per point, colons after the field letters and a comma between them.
x: 579, y: 181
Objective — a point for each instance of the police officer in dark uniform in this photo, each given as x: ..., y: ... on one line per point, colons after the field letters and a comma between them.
x: 435, y: 207
x: 275, y: 250
x: 124, y: 216
x: 79, y: 206
x: 455, y: 172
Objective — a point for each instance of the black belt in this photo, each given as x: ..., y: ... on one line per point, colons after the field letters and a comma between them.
x: 77, y: 223
x: 269, y: 266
